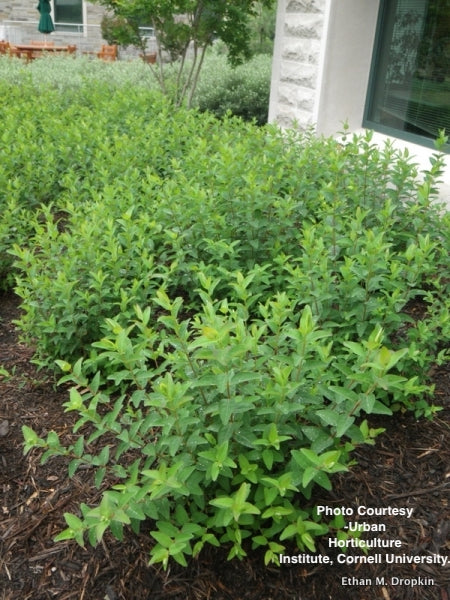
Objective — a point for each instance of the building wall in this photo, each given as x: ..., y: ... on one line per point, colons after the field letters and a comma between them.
x: 19, y: 20
x: 347, y: 57
x: 321, y: 64
x: 25, y: 10
x: 299, y: 42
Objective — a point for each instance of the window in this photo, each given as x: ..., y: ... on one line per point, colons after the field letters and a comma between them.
x: 409, y: 90
x: 68, y: 15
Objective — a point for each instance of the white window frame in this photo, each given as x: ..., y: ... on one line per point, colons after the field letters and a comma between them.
x: 83, y: 32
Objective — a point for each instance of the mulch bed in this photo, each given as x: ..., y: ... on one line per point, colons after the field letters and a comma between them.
x: 408, y: 467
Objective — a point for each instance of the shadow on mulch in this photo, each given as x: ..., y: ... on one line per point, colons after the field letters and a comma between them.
x: 408, y: 468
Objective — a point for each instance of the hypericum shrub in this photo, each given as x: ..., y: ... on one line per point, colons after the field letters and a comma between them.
x: 222, y: 424
x: 44, y: 145
x: 230, y: 302
x: 64, y: 73
x: 344, y: 227
x: 72, y: 143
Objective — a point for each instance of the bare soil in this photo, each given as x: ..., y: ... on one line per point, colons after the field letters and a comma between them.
x: 408, y: 467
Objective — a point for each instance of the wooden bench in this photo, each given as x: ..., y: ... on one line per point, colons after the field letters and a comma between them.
x: 4, y: 47
x: 108, y: 53
x: 27, y: 54
x: 149, y: 58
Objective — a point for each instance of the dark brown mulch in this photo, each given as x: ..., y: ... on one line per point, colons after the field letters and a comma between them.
x: 408, y: 467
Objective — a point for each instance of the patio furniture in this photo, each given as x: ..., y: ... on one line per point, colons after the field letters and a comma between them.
x: 4, y: 47
x: 32, y: 51
x: 42, y: 43
x: 149, y: 58
x: 108, y: 53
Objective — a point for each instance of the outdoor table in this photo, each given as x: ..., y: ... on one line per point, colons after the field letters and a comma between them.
x: 34, y: 50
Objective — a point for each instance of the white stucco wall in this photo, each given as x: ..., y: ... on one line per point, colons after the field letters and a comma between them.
x: 345, y: 67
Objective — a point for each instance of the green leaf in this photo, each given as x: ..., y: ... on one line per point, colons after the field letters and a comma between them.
x: 277, y: 511
x: 135, y: 511
x: 343, y: 424
x: 224, y: 502
x: 73, y: 522
x: 179, y: 558
x: 323, y: 480
x: 309, y: 475
x: 270, y: 494
x: 31, y: 438
x: 121, y: 516
x: 67, y: 534
x: 268, y: 458
x: 215, y: 471
x: 64, y: 366
x: 103, y: 457
x: 116, y: 528
x: 306, y: 321
x: 162, y: 538
x: 75, y: 401
x: 288, y: 531
x: 73, y: 466
x: 310, y: 456
x: 308, y: 540
x: 225, y: 411
x: 329, y: 417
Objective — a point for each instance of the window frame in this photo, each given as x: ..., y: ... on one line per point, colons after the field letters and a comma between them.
x: 78, y: 28
x: 422, y: 140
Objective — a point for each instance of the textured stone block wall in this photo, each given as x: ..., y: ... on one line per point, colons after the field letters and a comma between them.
x: 297, y: 62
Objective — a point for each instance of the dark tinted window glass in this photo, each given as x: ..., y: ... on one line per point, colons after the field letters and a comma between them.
x: 68, y: 15
x: 410, y: 89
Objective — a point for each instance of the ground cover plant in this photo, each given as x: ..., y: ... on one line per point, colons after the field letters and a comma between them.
x: 230, y: 304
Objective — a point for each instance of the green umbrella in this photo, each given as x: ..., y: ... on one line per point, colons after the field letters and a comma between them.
x: 45, y: 20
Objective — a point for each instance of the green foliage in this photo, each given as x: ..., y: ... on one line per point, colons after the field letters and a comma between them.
x: 231, y: 303
x: 262, y: 29
x: 65, y: 73
x: 48, y: 145
x: 343, y: 228
x: 185, y: 29
x: 4, y: 373
x: 219, y: 422
x: 117, y: 30
x: 242, y: 90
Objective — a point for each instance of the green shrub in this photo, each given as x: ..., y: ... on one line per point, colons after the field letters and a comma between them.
x: 219, y: 423
x: 67, y: 147
x: 243, y: 90
x: 262, y: 27
x: 353, y: 235
x: 231, y: 303
x: 79, y: 135
x: 65, y: 73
